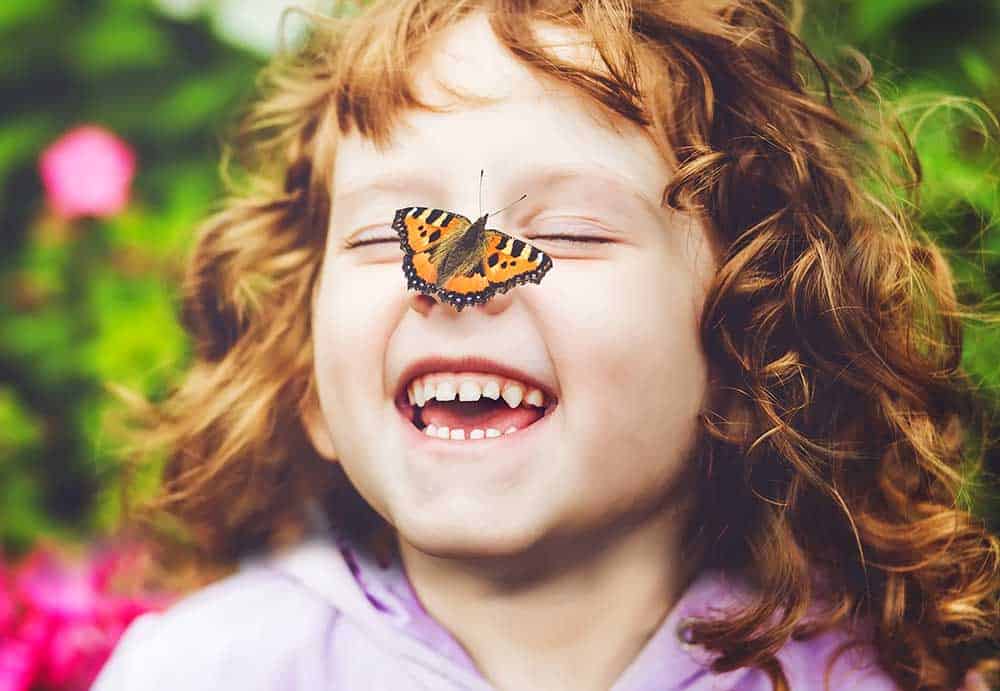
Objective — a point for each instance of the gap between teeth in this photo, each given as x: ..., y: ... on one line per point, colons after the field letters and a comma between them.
x: 419, y: 392
x: 458, y: 433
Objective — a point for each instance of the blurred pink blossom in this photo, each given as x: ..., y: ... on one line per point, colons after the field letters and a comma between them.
x: 18, y: 663
x: 88, y: 172
x: 65, y: 618
x: 6, y: 603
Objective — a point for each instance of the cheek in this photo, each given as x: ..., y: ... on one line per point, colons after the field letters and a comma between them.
x: 353, y: 316
x: 625, y: 343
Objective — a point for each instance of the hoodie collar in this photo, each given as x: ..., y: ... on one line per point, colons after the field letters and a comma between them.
x: 379, y: 597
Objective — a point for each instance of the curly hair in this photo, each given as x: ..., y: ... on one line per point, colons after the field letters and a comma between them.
x: 839, y: 431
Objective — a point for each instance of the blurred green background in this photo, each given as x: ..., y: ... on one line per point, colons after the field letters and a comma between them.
x: 91, y: 300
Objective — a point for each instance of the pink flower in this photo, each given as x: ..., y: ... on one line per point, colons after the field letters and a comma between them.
x: 68, y: 617
x: 18, y: 664
x: 49, y: 586
x: 88, y: 172
x: 6, y: 603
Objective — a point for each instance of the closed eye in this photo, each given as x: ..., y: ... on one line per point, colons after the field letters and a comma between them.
x: 371, y: 235
x: 575, y: 229
x: 573, y: 238
x: 350, y: 244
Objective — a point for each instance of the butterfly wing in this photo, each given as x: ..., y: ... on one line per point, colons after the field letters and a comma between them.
x: 506, y: 263
x: 423, y: 234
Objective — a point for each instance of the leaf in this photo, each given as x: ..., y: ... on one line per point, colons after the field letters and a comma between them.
x: 22, y: 518
x: 118, y: 41
x: 22, y: 139
x: 979, y: 355
x: 15, y: 13
x: 137, y: 340
x: 977, y: 69
x: 180, y: 194
x: 19, y: 428
x: 46, y: 339
x: 201, y: 101
x: 876, y: 16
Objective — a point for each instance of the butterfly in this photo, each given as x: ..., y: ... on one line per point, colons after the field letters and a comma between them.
x: 462, y: 262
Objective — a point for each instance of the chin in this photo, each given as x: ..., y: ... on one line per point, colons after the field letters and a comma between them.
x: 479, y: 537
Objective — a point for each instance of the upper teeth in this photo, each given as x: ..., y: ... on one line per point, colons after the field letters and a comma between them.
x: 471, y: 387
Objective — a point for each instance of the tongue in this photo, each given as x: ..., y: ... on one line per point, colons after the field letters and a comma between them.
x: 481, y: 414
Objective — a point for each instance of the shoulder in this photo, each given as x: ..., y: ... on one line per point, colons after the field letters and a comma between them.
x: 808, y: 662
x: 203, y: 641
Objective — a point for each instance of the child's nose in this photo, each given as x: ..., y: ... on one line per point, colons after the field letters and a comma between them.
x: 421, y: 303
x: 424, y: 305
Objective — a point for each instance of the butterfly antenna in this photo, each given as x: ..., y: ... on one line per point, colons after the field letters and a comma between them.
x: 523, y: 197
x: 482, y: 176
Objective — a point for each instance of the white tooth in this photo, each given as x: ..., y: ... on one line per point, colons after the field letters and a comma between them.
x: 491, y: 389
x: 477, y: 434
x: 534, y: 398
x: 445, y: 391
x: 490, y: 432
x: 410, y: 396
x: 428, y: 392
x: 512, y: 393
x: 510, y: 430
x: 458, y: 434
x: 469, y: 391
x: 431, y: 430
x: 443, y: 432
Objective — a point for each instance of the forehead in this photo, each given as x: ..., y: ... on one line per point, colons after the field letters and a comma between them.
x: 498, y: 115
x: 468, y: 59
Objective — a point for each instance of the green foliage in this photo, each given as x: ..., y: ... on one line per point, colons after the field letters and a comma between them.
x: 875, y: 18
x: 88, y: 302
x: 19, y: 428
x: 15, y: 14
x: 91, y: 302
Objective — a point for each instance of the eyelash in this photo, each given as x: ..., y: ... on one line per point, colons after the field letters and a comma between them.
x: 575, y: 238
x: 351, y: 244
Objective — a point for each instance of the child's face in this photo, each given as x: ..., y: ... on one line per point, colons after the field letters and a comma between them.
x: 611, y: 330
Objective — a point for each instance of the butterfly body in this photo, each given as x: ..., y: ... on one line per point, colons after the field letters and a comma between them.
x: 460, y: 252
x: 463, y: 262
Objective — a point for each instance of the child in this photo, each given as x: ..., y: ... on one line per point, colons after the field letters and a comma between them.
x: 718, y: 442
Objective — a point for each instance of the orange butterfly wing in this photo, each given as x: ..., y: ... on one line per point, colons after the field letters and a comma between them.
x: 420, y: 230
x: 506, y: 263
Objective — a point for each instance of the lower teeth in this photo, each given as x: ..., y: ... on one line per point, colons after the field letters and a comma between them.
x: 458, y: 434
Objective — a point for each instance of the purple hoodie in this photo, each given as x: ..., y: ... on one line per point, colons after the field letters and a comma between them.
x: 326, y: 615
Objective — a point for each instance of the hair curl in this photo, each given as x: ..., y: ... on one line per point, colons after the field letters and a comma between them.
x: 833, y: 454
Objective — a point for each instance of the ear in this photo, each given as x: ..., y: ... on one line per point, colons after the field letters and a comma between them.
x: 315, y: 425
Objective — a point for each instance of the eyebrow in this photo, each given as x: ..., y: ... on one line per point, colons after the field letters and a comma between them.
x: 419, y: 184
x: 389, y: 183
x: 547, y: 177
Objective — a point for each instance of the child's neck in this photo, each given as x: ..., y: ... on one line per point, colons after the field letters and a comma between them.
x: 577, y: 623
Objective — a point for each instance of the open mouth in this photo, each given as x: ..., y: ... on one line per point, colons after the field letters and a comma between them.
x: 471, y: 406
